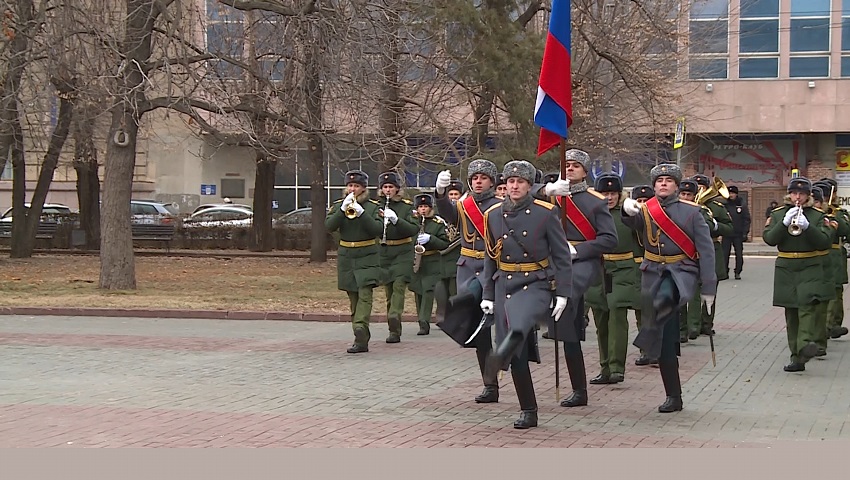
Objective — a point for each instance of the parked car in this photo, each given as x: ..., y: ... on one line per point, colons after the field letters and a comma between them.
x: 201, y: 208
x: 300, y: 217
x: 146, y: 212
x: 48, y: 210
x: 220, y: 216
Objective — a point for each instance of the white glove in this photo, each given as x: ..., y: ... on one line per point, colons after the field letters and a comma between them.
x: 558, y: 188
x: 631, y: 207
x: 487, y: 307
x: 803, y: 222
x: 423, y: 238
x: 358, y: 209
x: 790, y: 215
x: 560, y: 305
x: 390, y: 216
x: 573, y: 251
x: 707, y: 300
x: 349, y: 199
x: 444, y: 178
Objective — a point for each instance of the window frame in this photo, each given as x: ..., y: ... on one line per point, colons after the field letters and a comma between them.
x: 694, y: 18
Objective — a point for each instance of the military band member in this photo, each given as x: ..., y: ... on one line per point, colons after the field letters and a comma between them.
x: 527, y: 269
x: 690, y: 315
x: 501, y: 187
x: 801, y: 235
x: 717, y: 206
x: 821, y: 192
x: 591, y: 231
x: 617, y: 293
x: 396, y: 249
x: 835, y: 313
x: 450, y: 255
x: 356, y: 217
x: 640, y: 194
x: 454, y: 190
x: 431, y: 235
x: 679, y: 253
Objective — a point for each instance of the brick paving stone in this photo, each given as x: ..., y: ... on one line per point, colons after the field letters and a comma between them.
x: 189, y: 382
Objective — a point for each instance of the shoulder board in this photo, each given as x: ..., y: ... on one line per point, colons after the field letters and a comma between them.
x: 438, y: 219
x: 543, y: 204
x: 778, y: 208
x: 688, y: 202
x: 716, y: 202
x: 595, y: 194
x: 337, y: 201
x: 496, y: 205
x: 407, y: 201
x: 375, y: 201
x: 818, y: 209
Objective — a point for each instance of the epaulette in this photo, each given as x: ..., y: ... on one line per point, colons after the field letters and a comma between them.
x: 688, y: 202
x: 818, y: 209
x: 409, y: 202
x: 778, y: 208
x: 718, y: 203
x: 438, y: 219
x: 374, y: 201
x: 337, y: 201
x: 495, y: 205
x: 544, y: 204
x: 596, y: 194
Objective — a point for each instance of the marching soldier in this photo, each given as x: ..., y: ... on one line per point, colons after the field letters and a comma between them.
x: 451, y: 254
x: 454, y: 190
x: 835, y: 313
x: 679, y: 253
x: 690, y: 315
x: 640, y: 194
x: 396, y: 249
x: 821, y: 192
x: 527, y: 269
x: 591, y: 232
x: 432, y: 236
x: 721, y: 226
x: 358, y: 260
x: 801, y: 235
x: 501, y: 187
x: 617, y: 293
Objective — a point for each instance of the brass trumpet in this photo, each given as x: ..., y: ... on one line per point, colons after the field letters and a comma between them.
x: 794, y: 228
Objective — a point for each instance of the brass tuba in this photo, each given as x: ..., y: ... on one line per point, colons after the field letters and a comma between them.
x: 717, y: 188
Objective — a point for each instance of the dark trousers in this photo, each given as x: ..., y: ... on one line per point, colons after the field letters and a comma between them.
x: 483, y: 347
x: 668, y: 362
x: 523, y: 384
x: 736, y: 241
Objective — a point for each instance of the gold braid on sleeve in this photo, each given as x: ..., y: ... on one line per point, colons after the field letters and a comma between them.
x: 647, y: 221
x: 494, y: 251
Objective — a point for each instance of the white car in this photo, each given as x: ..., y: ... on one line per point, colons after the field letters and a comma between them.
x: 47, y: 211
x: 220, y: 216
x: 206, y: 206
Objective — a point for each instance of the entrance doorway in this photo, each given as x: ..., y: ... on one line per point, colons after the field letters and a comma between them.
x: 760, y: 199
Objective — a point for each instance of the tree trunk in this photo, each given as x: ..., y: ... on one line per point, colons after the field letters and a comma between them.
x: 117, y: 263
x: 318, y: 191
x: 88, y: 181
x: 48, y: 166
x: 263, y: 192
x: 389, y: 119
x: 481, y: 128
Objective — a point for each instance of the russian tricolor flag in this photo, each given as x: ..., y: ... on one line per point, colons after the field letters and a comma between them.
x: 553, y: 111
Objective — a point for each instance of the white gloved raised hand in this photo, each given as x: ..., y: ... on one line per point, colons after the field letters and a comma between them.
x: 347, y: 201
x: 560, y: 306
x: 558, y: 188
x: 487, y: 307
x: 444, y: 178
x: 423, y: 238
x: 631, y: 207
x: 707, y: 300
x: 358, y: 209
x: 803, y: 222
x: 390, y: 216
x: 789, y: 215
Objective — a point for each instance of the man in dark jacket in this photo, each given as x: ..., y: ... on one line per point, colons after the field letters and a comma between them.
x: 740, y: 215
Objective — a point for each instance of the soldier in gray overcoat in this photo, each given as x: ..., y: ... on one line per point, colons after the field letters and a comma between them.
x: 526, y: 280
x: 679, y: 255
x: 592, y: 233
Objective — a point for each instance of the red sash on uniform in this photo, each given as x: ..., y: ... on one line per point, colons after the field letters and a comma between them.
x: 669, y: 227
x: 473, y: 213
x: 577, y: 218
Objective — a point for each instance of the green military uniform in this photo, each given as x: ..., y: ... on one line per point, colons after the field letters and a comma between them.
x: 644, y: 192
x: 450, y: 256
x: 835, y: 313
x: 799, y: 278
x: 430, y: 264
x: 358, y: 262
x: 693, y: 316
x: 615, y: 295
x: 396, y: 254
x: 833, y: 265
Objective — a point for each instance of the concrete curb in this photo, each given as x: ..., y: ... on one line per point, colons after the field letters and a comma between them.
x: 196, y: 314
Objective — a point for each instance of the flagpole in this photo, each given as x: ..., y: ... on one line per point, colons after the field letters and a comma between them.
x: 563, y: 165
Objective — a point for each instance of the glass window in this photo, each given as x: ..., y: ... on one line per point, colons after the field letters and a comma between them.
x: 810, y: 35
x: 845, y: 33
x: 225, y: 39
x: 709, y: 37
x: 759, y: 36
x: 219, y: 12
x: 707, y: 68
x: 759, y: 8
x: 845, y: 66
x: 710, y: 9
x: 810, y: 8
x: 806, y: 67
x: 758, y: 68
x: 842, y: 140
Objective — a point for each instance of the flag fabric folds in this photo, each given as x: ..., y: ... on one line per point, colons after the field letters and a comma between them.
x: 553, y: 110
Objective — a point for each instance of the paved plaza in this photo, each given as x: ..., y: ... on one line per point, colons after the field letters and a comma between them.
x: 118, y: 382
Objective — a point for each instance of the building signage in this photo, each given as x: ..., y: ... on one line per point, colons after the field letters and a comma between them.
x: 208, y: 189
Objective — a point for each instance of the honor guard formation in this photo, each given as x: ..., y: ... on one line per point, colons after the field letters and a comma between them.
x: 505, y: 254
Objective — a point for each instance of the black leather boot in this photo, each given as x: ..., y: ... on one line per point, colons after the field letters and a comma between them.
x: 672, y: 385
x: 490, y: 394
x: 499, y: 358
x: 527, y: 400
x: 578, y: 380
